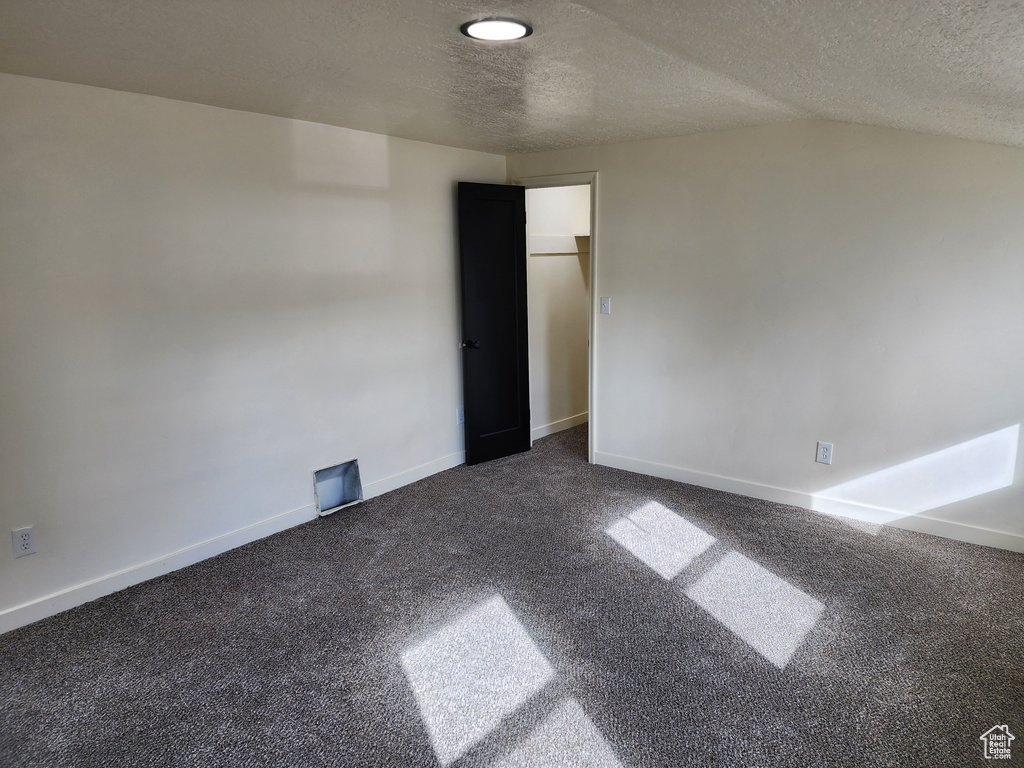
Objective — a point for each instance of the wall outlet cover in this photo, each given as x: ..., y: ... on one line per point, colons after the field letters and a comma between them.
x: 24, y: 541
x: 824, y: 453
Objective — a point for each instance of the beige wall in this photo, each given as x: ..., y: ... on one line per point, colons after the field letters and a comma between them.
x: 198, y: 308
x: 559, y: 210
x: 559, y: 316
x: 807, y: 281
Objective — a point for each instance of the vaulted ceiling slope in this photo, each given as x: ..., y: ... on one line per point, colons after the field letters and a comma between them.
x: 593, y: 72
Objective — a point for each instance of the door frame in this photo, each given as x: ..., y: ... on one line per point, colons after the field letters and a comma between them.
x: 575, y: 180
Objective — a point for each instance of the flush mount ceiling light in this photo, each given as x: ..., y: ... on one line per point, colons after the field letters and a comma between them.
x: 495, y: 29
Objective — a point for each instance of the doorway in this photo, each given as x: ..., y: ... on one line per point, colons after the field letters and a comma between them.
x: 560, y: 224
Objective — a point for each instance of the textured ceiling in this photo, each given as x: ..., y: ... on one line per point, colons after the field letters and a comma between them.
x: 593, y: 72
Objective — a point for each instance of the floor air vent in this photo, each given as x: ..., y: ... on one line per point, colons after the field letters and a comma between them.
x: 337, y: 487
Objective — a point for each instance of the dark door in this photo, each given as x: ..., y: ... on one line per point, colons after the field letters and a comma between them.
x: 495, y: 363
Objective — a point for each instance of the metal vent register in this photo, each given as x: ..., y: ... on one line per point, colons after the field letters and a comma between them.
x: 337, y: 487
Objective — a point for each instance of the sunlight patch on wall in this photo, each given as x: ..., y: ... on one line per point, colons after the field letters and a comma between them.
x: 473, y: 673
x: 766, y: 612
x: 660, y: 538
x: 963, y: 471
x: 566, y: 737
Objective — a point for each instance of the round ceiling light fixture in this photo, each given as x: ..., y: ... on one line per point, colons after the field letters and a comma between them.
x: 496, y: 29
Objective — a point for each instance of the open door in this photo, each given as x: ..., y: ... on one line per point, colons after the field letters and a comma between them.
x: 495, y: 354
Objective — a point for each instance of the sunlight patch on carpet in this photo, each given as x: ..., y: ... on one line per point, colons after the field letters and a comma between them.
x: 566, y: 737
x: 660, y: 538
x: 768, y: 613
x: 473, y: 673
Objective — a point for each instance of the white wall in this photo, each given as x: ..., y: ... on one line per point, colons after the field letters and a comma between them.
x: 559, y: 316
x: 776, y: 286
x: 559, y: 210
x: 198, y: 307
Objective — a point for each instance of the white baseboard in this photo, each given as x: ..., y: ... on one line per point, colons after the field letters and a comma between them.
x: 377, y: 487
x: 972, y: 534
x: 557, y: 426
x: 871, y: 517
x: 49, y: 605
x: 52, y: 604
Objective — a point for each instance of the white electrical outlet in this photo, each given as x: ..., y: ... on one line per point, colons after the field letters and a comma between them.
x: 824, y: 453
x: 24, y: 541
x: 460, y: 415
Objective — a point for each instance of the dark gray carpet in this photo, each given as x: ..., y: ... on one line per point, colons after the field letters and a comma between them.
x: 484, y: 617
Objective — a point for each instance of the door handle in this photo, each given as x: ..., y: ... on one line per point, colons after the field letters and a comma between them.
x: 470, y: 344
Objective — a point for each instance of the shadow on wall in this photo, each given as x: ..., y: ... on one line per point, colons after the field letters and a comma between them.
x: 960, y: 472
x: 342, y: 217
